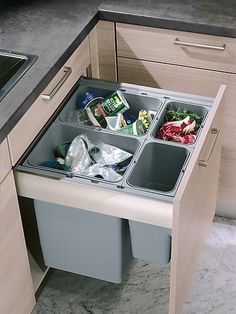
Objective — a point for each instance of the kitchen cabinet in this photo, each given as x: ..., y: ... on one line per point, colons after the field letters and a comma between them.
x: 31, y: 124
x: 16, y: 289
x: 192, y: 208
x: 192, y: 63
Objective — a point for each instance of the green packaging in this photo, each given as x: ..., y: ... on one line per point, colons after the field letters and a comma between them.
x: 99, y: 108
x: 94, y: 113
x: 114, y: 104
x: 136, y: 128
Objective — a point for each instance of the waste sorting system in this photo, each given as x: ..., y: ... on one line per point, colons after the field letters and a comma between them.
x: 95, y: 244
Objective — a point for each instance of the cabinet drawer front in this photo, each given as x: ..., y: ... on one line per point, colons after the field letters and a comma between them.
x: 17, y: 296
x: 171, y: 77
x: 194, y: 205
x: 162, y: 45
x: 41, y: 110
x: 69, y: 193
x: 5, y: 163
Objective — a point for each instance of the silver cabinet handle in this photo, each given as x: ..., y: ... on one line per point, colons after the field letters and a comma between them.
x: 186, y: 44
x: 204, y: 162
x: 50, y: 92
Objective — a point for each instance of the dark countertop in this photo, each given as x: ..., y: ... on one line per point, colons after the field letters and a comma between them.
x: 52, y: 30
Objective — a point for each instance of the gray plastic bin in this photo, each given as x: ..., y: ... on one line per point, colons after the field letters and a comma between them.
x: 200, y: 110
x: 158, y: 168
x: 149, y: 242
x: 83, y: 242
x: 136, y: 101
x: 59, y: 133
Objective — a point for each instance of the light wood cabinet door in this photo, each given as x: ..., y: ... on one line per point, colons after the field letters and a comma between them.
x: 5, y: 163
x: 41, y: 110
x: 198, y: 82
x: 16, y: 289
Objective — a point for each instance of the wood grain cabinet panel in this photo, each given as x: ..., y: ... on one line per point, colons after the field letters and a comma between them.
x: 41, y: 110
x: 16, y: 288
x: 103, y: 51
x: 5, y: 163
x: 194, y: 206
x: 161, y: 45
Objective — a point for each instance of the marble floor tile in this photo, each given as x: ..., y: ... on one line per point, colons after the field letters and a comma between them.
x: 145, y: 288
x: 50, y: 305
x: 216, y: 265
x: 88, y: 294
x: 63, y: 285
x: 223, y: 299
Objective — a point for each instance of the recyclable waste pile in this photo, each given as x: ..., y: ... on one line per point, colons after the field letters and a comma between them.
x: 110, y: 113
x: 82, y: 157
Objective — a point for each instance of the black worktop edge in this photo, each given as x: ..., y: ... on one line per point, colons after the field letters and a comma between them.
x: 167, y: 23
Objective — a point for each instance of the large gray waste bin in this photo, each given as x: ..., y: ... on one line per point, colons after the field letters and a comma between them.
x: 83, y: 242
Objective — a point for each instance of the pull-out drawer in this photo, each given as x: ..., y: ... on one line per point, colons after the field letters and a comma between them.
x: 175, y: 47
x: 165, y: 184
x: 131, y: 197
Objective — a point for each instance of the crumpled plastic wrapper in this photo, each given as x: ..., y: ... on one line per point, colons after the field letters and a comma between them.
x: 110, y: 155
x: 106, y: 173
x: 85, y: 158
x: 77, y: 157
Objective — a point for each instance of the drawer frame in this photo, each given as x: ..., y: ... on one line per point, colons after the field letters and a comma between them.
x: 192, y: 208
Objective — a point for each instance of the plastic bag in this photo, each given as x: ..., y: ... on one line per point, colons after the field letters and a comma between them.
x: 103, y: 172
x: 110, y: 155
x: 85, y: 158
x: 77, y: 158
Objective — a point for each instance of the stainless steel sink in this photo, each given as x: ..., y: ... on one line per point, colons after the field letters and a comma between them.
x: 12, y: 67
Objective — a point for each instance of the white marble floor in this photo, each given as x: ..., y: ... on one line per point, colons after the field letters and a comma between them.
x: 145, y: 289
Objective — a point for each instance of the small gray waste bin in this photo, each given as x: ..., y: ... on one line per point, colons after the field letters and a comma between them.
x: 83, y: 242
x: 149, y: 242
